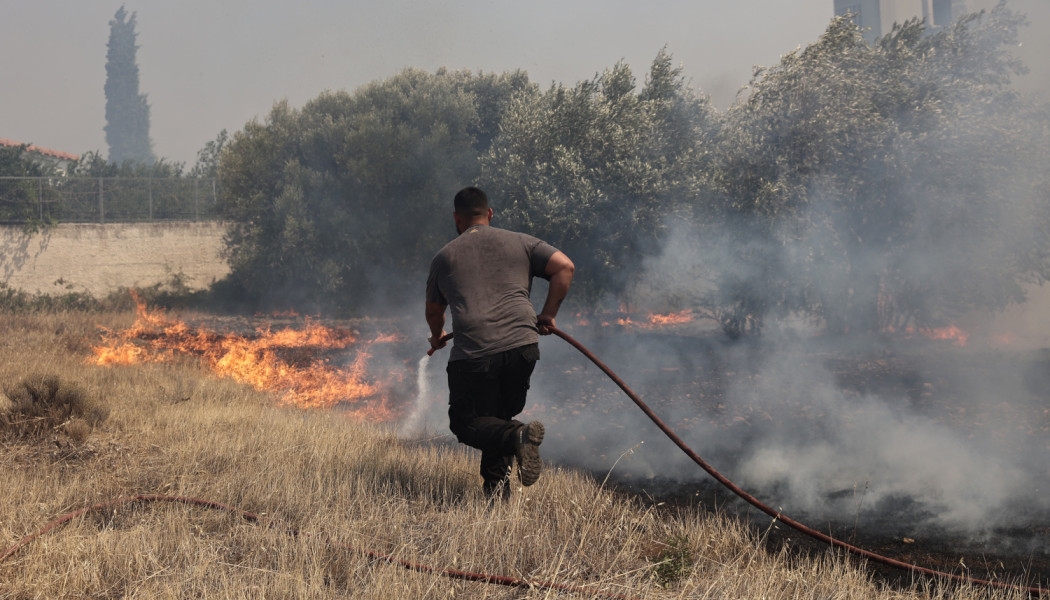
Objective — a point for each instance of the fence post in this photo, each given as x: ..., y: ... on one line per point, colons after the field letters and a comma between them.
x: 151, y: 198
x: 196, y: 199
x: 101, y: 206
x: 40, y: 197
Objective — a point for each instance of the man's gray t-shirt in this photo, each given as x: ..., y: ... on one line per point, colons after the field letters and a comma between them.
x: 485, y: 277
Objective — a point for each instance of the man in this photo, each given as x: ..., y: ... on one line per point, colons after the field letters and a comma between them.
x: 485, y: 276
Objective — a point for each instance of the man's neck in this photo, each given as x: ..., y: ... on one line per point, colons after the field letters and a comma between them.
x: 475, y: 223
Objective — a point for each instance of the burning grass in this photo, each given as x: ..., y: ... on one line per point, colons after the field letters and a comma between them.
x: 291, y: 362
x: 175, y: 428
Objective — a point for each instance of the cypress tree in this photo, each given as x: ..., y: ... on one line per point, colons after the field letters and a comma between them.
x: 127, y: 112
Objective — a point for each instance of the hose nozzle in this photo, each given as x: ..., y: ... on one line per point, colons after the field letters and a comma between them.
x: 444, y: 338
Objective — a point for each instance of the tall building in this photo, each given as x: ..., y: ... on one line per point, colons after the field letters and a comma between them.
x: 876, y: 17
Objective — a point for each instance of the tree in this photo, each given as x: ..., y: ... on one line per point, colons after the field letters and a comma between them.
x: 208, y: 156
x: 127, y: 111
x: 16, y: 162
x: 874, y: 187
x: 19, y: 199
x: 598, y: 169
x: 93, y: 164
x: 345, y: 200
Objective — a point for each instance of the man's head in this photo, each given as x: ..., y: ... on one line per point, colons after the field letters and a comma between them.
x: 472, y: 208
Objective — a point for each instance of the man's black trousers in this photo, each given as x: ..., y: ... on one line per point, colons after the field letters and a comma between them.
x: 485, y: 394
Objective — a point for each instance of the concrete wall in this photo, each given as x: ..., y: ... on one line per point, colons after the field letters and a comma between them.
x: 101, y: 258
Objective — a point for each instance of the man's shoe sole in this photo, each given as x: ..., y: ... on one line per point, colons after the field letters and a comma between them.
x: 529, y: 464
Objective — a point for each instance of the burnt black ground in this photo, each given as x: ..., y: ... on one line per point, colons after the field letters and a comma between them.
x: 963, y: 388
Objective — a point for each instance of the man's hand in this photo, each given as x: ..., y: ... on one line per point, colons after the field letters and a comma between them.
x: 437, y: 342
x: 435, y: 314
x: 544, y: 323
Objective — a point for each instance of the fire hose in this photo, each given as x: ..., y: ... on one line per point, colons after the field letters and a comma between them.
x: 753, y: 501
x: 371, y: 554
x: 777, y: 515
x: 524, y: 583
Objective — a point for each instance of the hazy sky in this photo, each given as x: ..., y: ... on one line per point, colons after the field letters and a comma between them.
x: 208, y: 65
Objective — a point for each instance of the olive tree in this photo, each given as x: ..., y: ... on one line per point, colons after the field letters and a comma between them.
x: 346, y: 199
x: 597, y: 169
x: 877, y: 186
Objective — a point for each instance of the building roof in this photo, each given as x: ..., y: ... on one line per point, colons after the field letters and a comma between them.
x: 38, y: 149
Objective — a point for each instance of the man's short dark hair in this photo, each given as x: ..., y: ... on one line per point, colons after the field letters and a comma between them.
x: 471, y: 202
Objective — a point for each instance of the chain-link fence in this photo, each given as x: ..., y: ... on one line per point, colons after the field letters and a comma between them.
x: 108, y: 199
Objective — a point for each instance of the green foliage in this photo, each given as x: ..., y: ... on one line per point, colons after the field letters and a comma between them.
x: 349, y: 197
x: 93, y: 164
x: 598, y: 169
x: 127, y: 111
x: 18, y: 301
x: 16, y: 162
x: 879, y: 186
x: 674, y: 561
x: 208, y: 156
x: 18, y: 198
x: 173, y: 293
x: 866, y: 186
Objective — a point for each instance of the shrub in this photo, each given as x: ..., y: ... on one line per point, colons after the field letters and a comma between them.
x: 674, y: 562
x: 42, y: 404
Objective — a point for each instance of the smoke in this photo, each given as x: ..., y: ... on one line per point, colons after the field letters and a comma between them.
x: 882, y: 445
x: 892, y: 433
x: 787, y: 431
x: 876, y: 430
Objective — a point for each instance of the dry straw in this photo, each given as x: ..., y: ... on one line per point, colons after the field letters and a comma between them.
x: 40, y: 405
x: 173, y: 429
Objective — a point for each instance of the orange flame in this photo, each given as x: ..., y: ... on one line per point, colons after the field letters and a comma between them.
x: 657, y: 320
x: 950, y: 333
x: 678, y: 318
x: 283, y: 361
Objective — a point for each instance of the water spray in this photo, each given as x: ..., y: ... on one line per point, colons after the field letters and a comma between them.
x: 416, y: 418
x: 411, y: 424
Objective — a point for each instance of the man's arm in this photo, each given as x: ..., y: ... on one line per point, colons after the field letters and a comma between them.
x: 435, y: 313
x: 560, y: 271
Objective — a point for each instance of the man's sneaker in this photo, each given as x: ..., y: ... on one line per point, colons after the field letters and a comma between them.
x: 527, y: 451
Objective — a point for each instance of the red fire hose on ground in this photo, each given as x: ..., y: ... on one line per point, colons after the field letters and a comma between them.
x: 371, y: 554
x: 763, y: 507
x: 523, y: 583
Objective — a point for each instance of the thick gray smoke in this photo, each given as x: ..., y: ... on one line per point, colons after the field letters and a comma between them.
x: 873, y: 429
x: 866, y: 429
x: 871, y: 451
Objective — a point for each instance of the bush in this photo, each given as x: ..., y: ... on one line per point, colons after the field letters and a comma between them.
x: 674, y: 562
x: 173, y: 293
x: 43, y: 404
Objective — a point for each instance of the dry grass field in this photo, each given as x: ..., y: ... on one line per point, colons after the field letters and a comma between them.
x: 172, y: 428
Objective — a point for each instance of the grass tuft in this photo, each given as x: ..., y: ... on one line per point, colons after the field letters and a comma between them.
x: 674, y: 562
x: 43, y: 404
